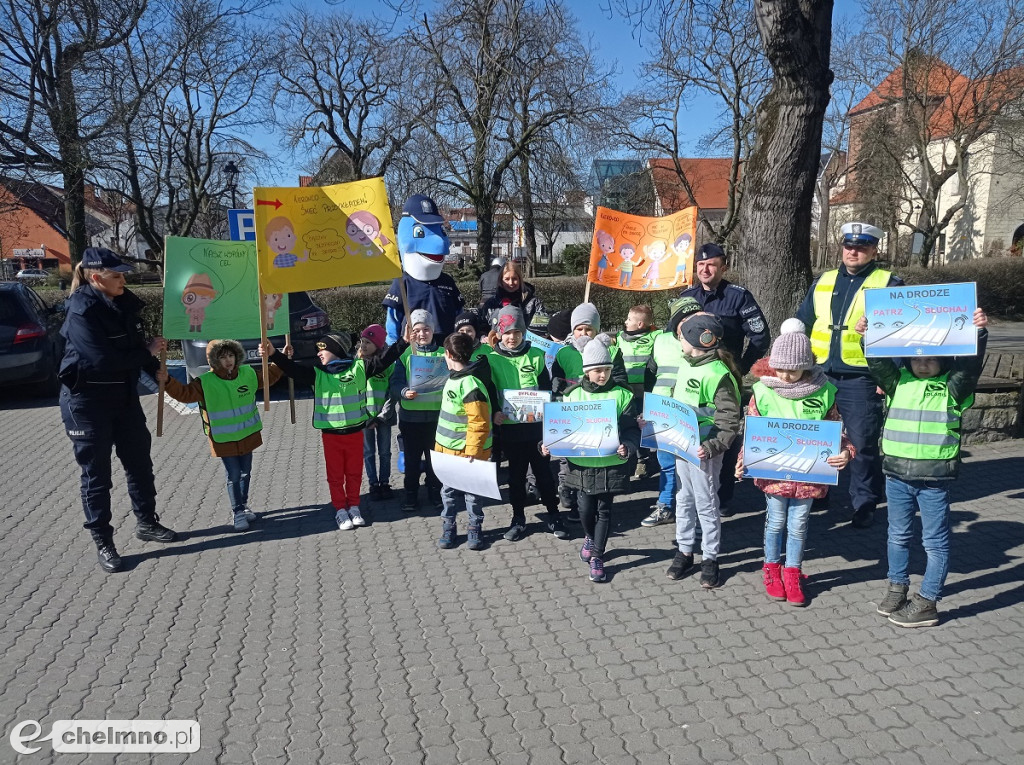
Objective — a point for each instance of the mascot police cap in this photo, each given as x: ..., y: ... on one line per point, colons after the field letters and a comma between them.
x: 422, y: 240
x: 422, y: 208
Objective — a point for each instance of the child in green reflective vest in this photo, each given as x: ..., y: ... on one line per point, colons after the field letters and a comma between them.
x: 926, y: 399
x: 636, y: 344
x: 231, y: 420
x: 793, y: 387
x: 598, y: 479
x: 339, y: 383
x: 464, y: 429
x: 381, y: 409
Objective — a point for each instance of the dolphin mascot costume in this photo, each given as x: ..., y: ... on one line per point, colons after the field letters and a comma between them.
x: 423, y: 244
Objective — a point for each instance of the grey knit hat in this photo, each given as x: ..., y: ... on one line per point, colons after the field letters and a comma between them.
x: 586, y: 313
x: 422, y: 316
x: 509, y: 319
x: 595, y: 353
x: 703, y: 331
x: 792, y: 349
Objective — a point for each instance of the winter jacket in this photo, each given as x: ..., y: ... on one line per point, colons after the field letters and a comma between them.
x: 477, y: 410
x: 526, y: 300
x: 615, y: 478
x: 192, y: 393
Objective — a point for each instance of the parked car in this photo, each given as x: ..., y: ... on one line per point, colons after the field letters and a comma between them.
x: 31, y: 345
x: 307, y: 322
x: 32, y: 274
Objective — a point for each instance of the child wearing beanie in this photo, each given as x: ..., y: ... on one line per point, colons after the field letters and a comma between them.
x: 598, y: 479
x: 470, y: 323
x: 793, y: 388
x: 709, y: 382
x: 567, y: 368
x: 381, y: 409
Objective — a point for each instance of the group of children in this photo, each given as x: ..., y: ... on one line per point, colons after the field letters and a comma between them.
x: 358, y: 388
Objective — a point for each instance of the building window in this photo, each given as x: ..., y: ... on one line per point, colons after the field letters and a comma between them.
x: 545, y: 253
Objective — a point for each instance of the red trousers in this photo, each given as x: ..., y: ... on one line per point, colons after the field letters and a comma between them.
x: 344, y: 457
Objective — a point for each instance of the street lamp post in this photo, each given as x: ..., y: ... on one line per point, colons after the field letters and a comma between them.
x: 232, y: 171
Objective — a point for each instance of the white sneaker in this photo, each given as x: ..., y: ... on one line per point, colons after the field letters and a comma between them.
x: 240, y: 521
x: 357, y: 518
x: 343, y: 520
x: 249, y: 514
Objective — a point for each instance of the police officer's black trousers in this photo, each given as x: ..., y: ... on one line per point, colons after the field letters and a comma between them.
x: 96, y: 427
x: 860, y: 406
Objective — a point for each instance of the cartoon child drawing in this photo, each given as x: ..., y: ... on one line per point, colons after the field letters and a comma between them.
x: 682, y: 249
x: 198, y: 294
x: 271, y: 302
x: 656, y: 252
x: 606, y: 242
x: 280, y: 235
x: 363, y: 229
x: 627, y: 252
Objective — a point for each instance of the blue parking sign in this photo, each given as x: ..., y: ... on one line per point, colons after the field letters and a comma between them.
x: 242, y: 225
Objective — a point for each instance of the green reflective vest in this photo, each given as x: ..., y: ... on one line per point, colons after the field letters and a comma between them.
x: 424, y: 401
x: 377, y: 391
x: 571, y: 362
x: 923, y: 421
x: 696, y: 386
x: 668, y: 355
x: 821, y: 333
x: 811, y: 407
x: 230, y: 405
x: 453, y: 422
x: 622, y: 397
x: 635, y: 353
x: 339, y: 399
x: 483, y: 349
x: 517, y: 372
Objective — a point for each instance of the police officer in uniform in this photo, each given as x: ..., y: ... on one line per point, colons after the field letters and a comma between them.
x: 741, y: 318
x: 99, y: 399
x: 831, y: 309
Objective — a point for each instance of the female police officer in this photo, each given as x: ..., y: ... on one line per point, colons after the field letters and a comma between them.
x: 99, y: 400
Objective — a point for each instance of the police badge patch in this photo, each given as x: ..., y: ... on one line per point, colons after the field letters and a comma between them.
x: 757, y: 324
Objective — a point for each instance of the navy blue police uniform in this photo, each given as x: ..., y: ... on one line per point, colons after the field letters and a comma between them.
x: 99, y: 403
x: 742, y: 319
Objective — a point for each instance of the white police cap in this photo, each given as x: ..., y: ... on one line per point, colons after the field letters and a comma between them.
x: 861, y: 234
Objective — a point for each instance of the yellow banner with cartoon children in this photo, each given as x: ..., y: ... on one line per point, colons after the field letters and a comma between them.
x: 324, y: 236
x: 632, y: 252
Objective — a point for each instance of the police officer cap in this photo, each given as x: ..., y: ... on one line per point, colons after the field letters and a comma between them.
x: 858, y: 234
x: 100, y: 257
x: 422, y: 209
x: 709, y: 251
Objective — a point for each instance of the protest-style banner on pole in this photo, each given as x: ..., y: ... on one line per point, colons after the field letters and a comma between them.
x: 670, y: 426
x: 923, y: 320
x: 521, y: 406
x: 633, y: 252
x: 581, y: 428
x: 791, y: 450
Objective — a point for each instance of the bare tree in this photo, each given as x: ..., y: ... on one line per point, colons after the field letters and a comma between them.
x: 56, y: 59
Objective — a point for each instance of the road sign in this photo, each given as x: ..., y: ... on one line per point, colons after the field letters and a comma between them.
x: 242, y: 225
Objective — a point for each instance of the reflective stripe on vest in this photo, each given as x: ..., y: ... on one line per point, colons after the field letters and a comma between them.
x: 230, y: 405
x: 377, y: 391
x: 923, y: 421
x: 453, y: 422
x: 621, y: 396
x: 428, y: 401
x: 668, y: 355
x: 821, y: 333
x: 636, y: 352
x: 813, y: 406
x: 696, y: 386
x: 339, y: 399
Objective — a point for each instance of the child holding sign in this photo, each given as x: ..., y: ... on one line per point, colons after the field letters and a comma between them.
x: 517, y: 365
x: 418, y: 411
x: 709, y: 382
x: 599, y: 479
x: 921, y: 454
x: 798, y: 390
x: 464, y: 429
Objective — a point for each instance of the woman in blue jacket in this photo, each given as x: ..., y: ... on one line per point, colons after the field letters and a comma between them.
x: 99, y: 400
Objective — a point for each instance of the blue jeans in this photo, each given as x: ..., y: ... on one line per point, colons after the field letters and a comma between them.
x: 932, y: 499
x: 238, y: 470
x: 377, y: 450
x: 789, y: 515
x: 450, y: 505
x: 667, y: 480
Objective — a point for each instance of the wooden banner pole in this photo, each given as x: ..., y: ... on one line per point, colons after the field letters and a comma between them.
x: 291, y: 382
x: 160, y: 394
x: 263, y: 356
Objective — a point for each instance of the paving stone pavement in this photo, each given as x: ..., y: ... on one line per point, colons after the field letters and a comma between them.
x: 295, y: 642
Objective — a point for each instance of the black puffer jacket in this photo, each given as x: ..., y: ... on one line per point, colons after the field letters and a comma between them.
x: 614, y: 478
x: 526, y: 300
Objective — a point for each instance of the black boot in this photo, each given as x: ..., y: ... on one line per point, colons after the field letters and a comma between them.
x: 151, y: 530
x: 109, y: 560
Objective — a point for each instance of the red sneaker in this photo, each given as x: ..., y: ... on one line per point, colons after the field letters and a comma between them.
x: 794, y: 593
x: 773, y: 581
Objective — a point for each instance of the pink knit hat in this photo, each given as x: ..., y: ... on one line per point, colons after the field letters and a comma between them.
x: 376, y: 334
x: 792, y: 348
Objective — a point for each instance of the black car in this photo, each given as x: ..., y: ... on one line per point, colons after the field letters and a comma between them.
x: 307, y: 322
x: 31, y: 345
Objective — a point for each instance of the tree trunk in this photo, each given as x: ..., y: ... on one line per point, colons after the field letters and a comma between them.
x: 775, y: 224
x: 529, y: 224
x: 484, y: 229
x: 74, y: 212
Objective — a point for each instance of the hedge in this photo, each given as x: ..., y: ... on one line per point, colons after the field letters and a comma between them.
x: 1000, y: 292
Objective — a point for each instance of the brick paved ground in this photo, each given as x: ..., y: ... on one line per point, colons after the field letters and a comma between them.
x: 295, y: 642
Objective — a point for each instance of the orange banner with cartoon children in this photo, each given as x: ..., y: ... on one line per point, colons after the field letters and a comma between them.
x: 632, y: 252
x: 324, y: 236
